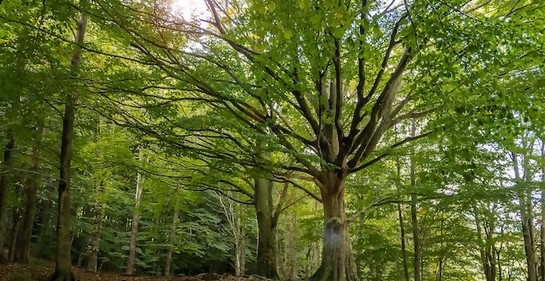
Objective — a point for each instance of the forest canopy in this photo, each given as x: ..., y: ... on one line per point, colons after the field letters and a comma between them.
x: 309, y: 139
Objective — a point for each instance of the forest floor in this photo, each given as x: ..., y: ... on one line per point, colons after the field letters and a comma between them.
x: 20, y: 272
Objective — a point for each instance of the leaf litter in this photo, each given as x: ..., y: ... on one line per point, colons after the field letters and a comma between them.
x: 20, y: 272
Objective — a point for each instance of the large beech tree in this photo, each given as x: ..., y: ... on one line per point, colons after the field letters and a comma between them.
x: 63, y: 266
x: 316, y: 82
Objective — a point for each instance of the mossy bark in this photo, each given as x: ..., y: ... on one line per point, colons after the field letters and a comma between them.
x: 337, y: 260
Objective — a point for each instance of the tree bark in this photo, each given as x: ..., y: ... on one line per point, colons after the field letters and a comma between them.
x: 441, y: 250
x: 416, y: 241
x: 4, y: 186
x: 172, y: 239
x: 486, y: 266
x: 529, y: 247
x: 241, y: 249
x: 526, y: 216
x: 266, y: 249
x: 417, y: 274
x: 15, y: 228
x: 403, y: 243
x: 490, y: 244
x: 63, y: 267
x: 542, y: 223
x: 135, y: 218
x: 31, y: 189
x: 337, y: 260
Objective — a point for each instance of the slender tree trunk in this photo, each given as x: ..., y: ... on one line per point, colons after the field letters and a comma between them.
x: 490, y: 244
x: 135, y: 219
x: 527, y: 230
x: 266, y: 250
x: 290, y: 248
x: 239, y: 230
x: 92, y: 262
x: 525, y: 208
x: 234, y: 214
x: 406, y: 274
x: 31, y: 189
x: 241, y: 256
x: 441, y: 251
x: 498, y: 257
x: 15, y: 228
x: 5, y: 179
x: 403, y: 244
x: 414, y: 220
x: 172, y: 239
x: 440, y: 268
x: 44, y: 226
x: 486, y: 267
x: 337, y: 260
x: 529, y: 244
x: 238, y: 259
x: 416, y: 240
x: 63, y: 267
x: 542, y: 223
x: 542, y: 237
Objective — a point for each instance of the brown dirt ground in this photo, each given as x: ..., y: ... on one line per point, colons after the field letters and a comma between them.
x: 19, y: 272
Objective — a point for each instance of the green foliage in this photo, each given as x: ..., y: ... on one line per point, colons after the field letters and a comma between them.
x: 212, y: 110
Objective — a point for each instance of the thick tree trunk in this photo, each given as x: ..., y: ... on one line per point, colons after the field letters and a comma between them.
x: 4, y: 186
x: 63, y: 267
x: 172, y: 239
x: 266, y: 250
x: 31, y: 189
x: 97, y: 227
x: 135, y: 219
x: 337, y: 260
